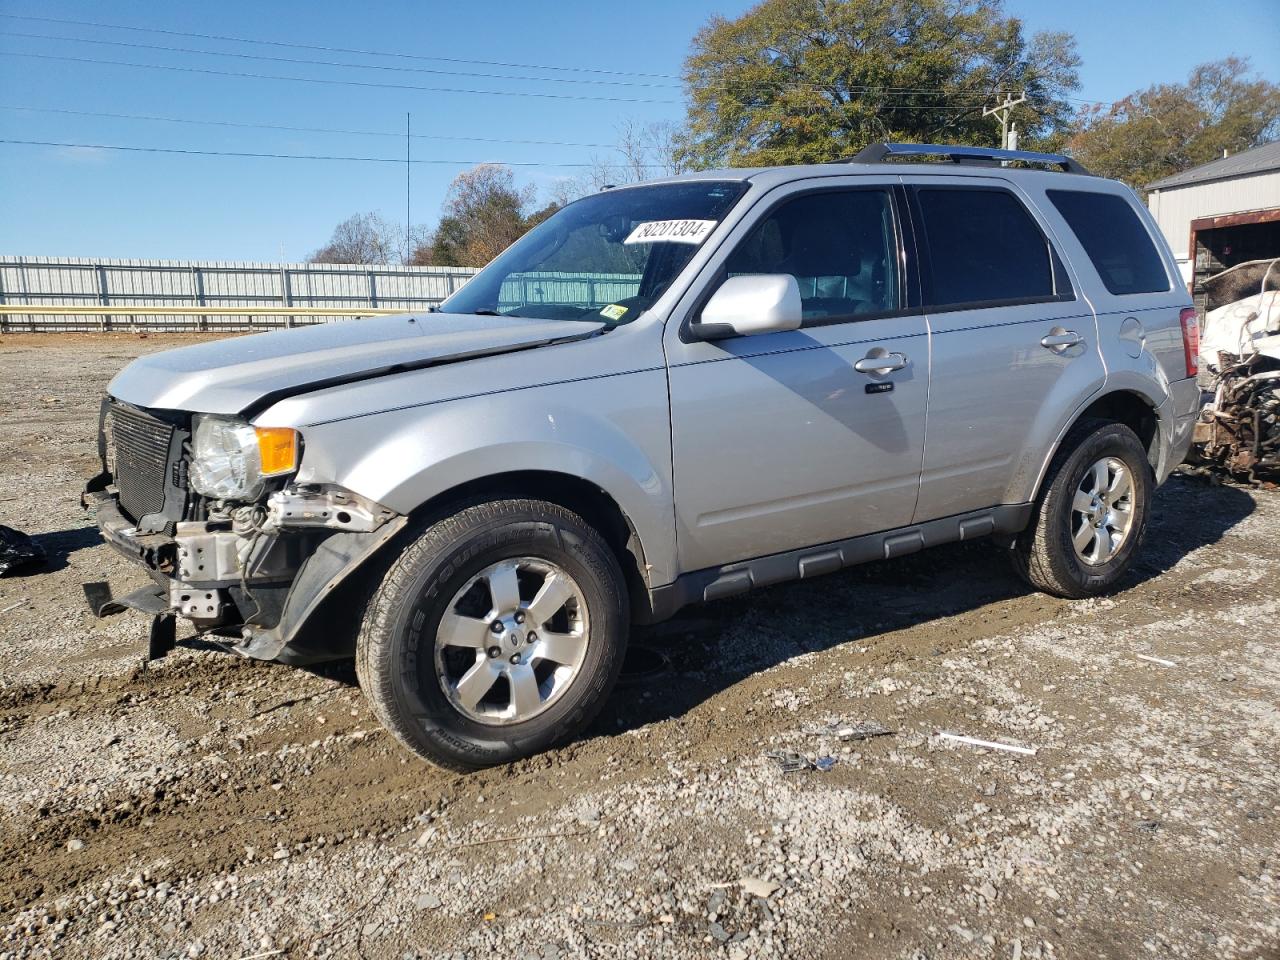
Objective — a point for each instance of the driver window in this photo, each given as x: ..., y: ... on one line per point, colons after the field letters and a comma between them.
x: 840, y: 247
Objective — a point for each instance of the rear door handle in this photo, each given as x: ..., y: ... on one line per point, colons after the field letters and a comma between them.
x: 881, y: 363
x: 1059, y: 340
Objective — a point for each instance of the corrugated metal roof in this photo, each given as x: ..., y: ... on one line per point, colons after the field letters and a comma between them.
x: 1258, y: 160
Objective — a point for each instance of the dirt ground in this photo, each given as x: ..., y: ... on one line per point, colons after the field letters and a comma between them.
x: 211, y: 806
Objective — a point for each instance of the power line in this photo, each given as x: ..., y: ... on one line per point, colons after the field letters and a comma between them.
x: 890, y: 91
x: 726, y: 83
x: 292, y: 156
x: 332, y: 63
x: 335, y: 82
x: 292, y: 129
x: 329, y: 49
x: 402, y: 86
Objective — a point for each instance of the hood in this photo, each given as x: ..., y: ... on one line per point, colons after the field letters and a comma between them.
x: 244, y: 374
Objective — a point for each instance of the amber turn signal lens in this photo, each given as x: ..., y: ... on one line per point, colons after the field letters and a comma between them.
x: 278, y: 449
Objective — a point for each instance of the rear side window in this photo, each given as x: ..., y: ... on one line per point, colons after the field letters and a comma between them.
x: 1115, y: 240
x: 985, y: 248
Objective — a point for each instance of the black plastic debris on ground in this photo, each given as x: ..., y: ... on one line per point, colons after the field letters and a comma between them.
x: 17, y: 551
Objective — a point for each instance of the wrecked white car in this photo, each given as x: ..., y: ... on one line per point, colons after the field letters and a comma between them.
x: 1239, y: 427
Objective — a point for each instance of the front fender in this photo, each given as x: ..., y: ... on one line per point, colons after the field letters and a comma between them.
x: 612, y: 431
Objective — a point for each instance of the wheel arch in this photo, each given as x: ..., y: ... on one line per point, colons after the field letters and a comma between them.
x: 310, y: 635
x: 1128, y: 407
x: 591, y: 502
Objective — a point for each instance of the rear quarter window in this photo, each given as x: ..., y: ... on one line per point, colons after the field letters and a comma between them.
x: 1114, y: 238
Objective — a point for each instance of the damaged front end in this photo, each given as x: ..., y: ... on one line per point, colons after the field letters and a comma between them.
x: 1239, y: 426
x: 1239, y: 429
x: 231, y: 543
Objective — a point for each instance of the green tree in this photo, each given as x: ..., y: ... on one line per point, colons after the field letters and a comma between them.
x: 1168, y: 128
x: 484, y: 213
x: 805, y: 81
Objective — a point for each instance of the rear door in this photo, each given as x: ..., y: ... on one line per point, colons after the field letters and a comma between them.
x: 777, y: 441
x: 1015, y: 347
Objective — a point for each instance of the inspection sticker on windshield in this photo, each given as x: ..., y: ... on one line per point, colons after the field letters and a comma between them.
x: 614, y: 311
x: 671, y: 231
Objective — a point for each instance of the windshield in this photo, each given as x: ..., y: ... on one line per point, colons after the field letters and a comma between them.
x: 605, y: 258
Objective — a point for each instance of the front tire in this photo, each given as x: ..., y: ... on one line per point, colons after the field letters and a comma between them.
x: 498, y: 633
x: 1091, y: 515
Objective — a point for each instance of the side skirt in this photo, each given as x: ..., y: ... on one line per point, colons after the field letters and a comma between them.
x: 743, y: 576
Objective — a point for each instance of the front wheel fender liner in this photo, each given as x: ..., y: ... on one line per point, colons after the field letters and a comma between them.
x: 332, y: 564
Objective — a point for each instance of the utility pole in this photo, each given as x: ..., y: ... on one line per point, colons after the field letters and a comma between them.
x: 1003, y: 109
x: 408, y: 253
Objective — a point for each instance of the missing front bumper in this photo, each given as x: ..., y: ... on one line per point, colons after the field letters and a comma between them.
x: 264, y: 581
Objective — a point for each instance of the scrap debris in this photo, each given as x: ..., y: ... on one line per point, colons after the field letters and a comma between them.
x: 1239, y: 428
x: 791, y: 762
x: 988, y: 744
x: 17, y: 550
x: 1161, y: 661
x: 862, y: 731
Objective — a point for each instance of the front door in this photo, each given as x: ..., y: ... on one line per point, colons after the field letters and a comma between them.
x: 777, y: 441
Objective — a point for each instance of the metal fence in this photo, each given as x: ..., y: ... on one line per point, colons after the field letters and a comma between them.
x: 29, y: 281
x: 588, y: 290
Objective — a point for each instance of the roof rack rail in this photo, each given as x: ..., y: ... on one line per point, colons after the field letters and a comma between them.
x: 983, y: 156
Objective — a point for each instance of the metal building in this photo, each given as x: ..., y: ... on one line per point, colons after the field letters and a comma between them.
x: 1222, y: 213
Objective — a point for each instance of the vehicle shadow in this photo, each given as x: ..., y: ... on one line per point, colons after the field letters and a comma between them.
x: 711, y: 647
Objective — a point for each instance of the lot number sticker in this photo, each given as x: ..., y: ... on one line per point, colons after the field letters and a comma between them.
x: 671, y: 231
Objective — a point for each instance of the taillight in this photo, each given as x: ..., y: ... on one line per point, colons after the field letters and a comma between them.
x: 1191, y: 339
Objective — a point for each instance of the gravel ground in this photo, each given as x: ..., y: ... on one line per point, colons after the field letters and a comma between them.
x: 209, y: 806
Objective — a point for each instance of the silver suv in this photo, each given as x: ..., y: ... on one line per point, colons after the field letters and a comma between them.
x: 670, y: 392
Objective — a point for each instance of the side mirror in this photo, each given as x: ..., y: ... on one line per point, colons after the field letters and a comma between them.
x: 751, y: 304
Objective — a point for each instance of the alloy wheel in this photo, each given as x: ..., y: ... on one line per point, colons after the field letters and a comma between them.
x: 512, y: 641
x: 1102, y: 511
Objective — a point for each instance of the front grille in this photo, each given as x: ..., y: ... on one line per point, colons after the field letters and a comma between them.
x: 141, y: 445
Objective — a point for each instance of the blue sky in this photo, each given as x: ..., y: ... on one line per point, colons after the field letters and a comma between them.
x: 59, y: 201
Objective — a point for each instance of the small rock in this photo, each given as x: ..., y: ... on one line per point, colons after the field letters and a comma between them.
x: 280, y: 854
x: 758, y: 888
x: 626, y: 865
x: 427, y: 901
x: 719, y: 932
x: 74, y: 845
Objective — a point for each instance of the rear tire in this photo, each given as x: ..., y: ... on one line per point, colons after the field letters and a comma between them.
x: 1091, y: 514
x: 453, y: 654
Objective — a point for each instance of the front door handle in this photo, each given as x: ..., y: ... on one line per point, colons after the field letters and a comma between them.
x: 1059, y: 340
x: 881, y: 363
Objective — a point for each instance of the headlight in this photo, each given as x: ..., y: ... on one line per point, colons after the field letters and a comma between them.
x: 230, y: 458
